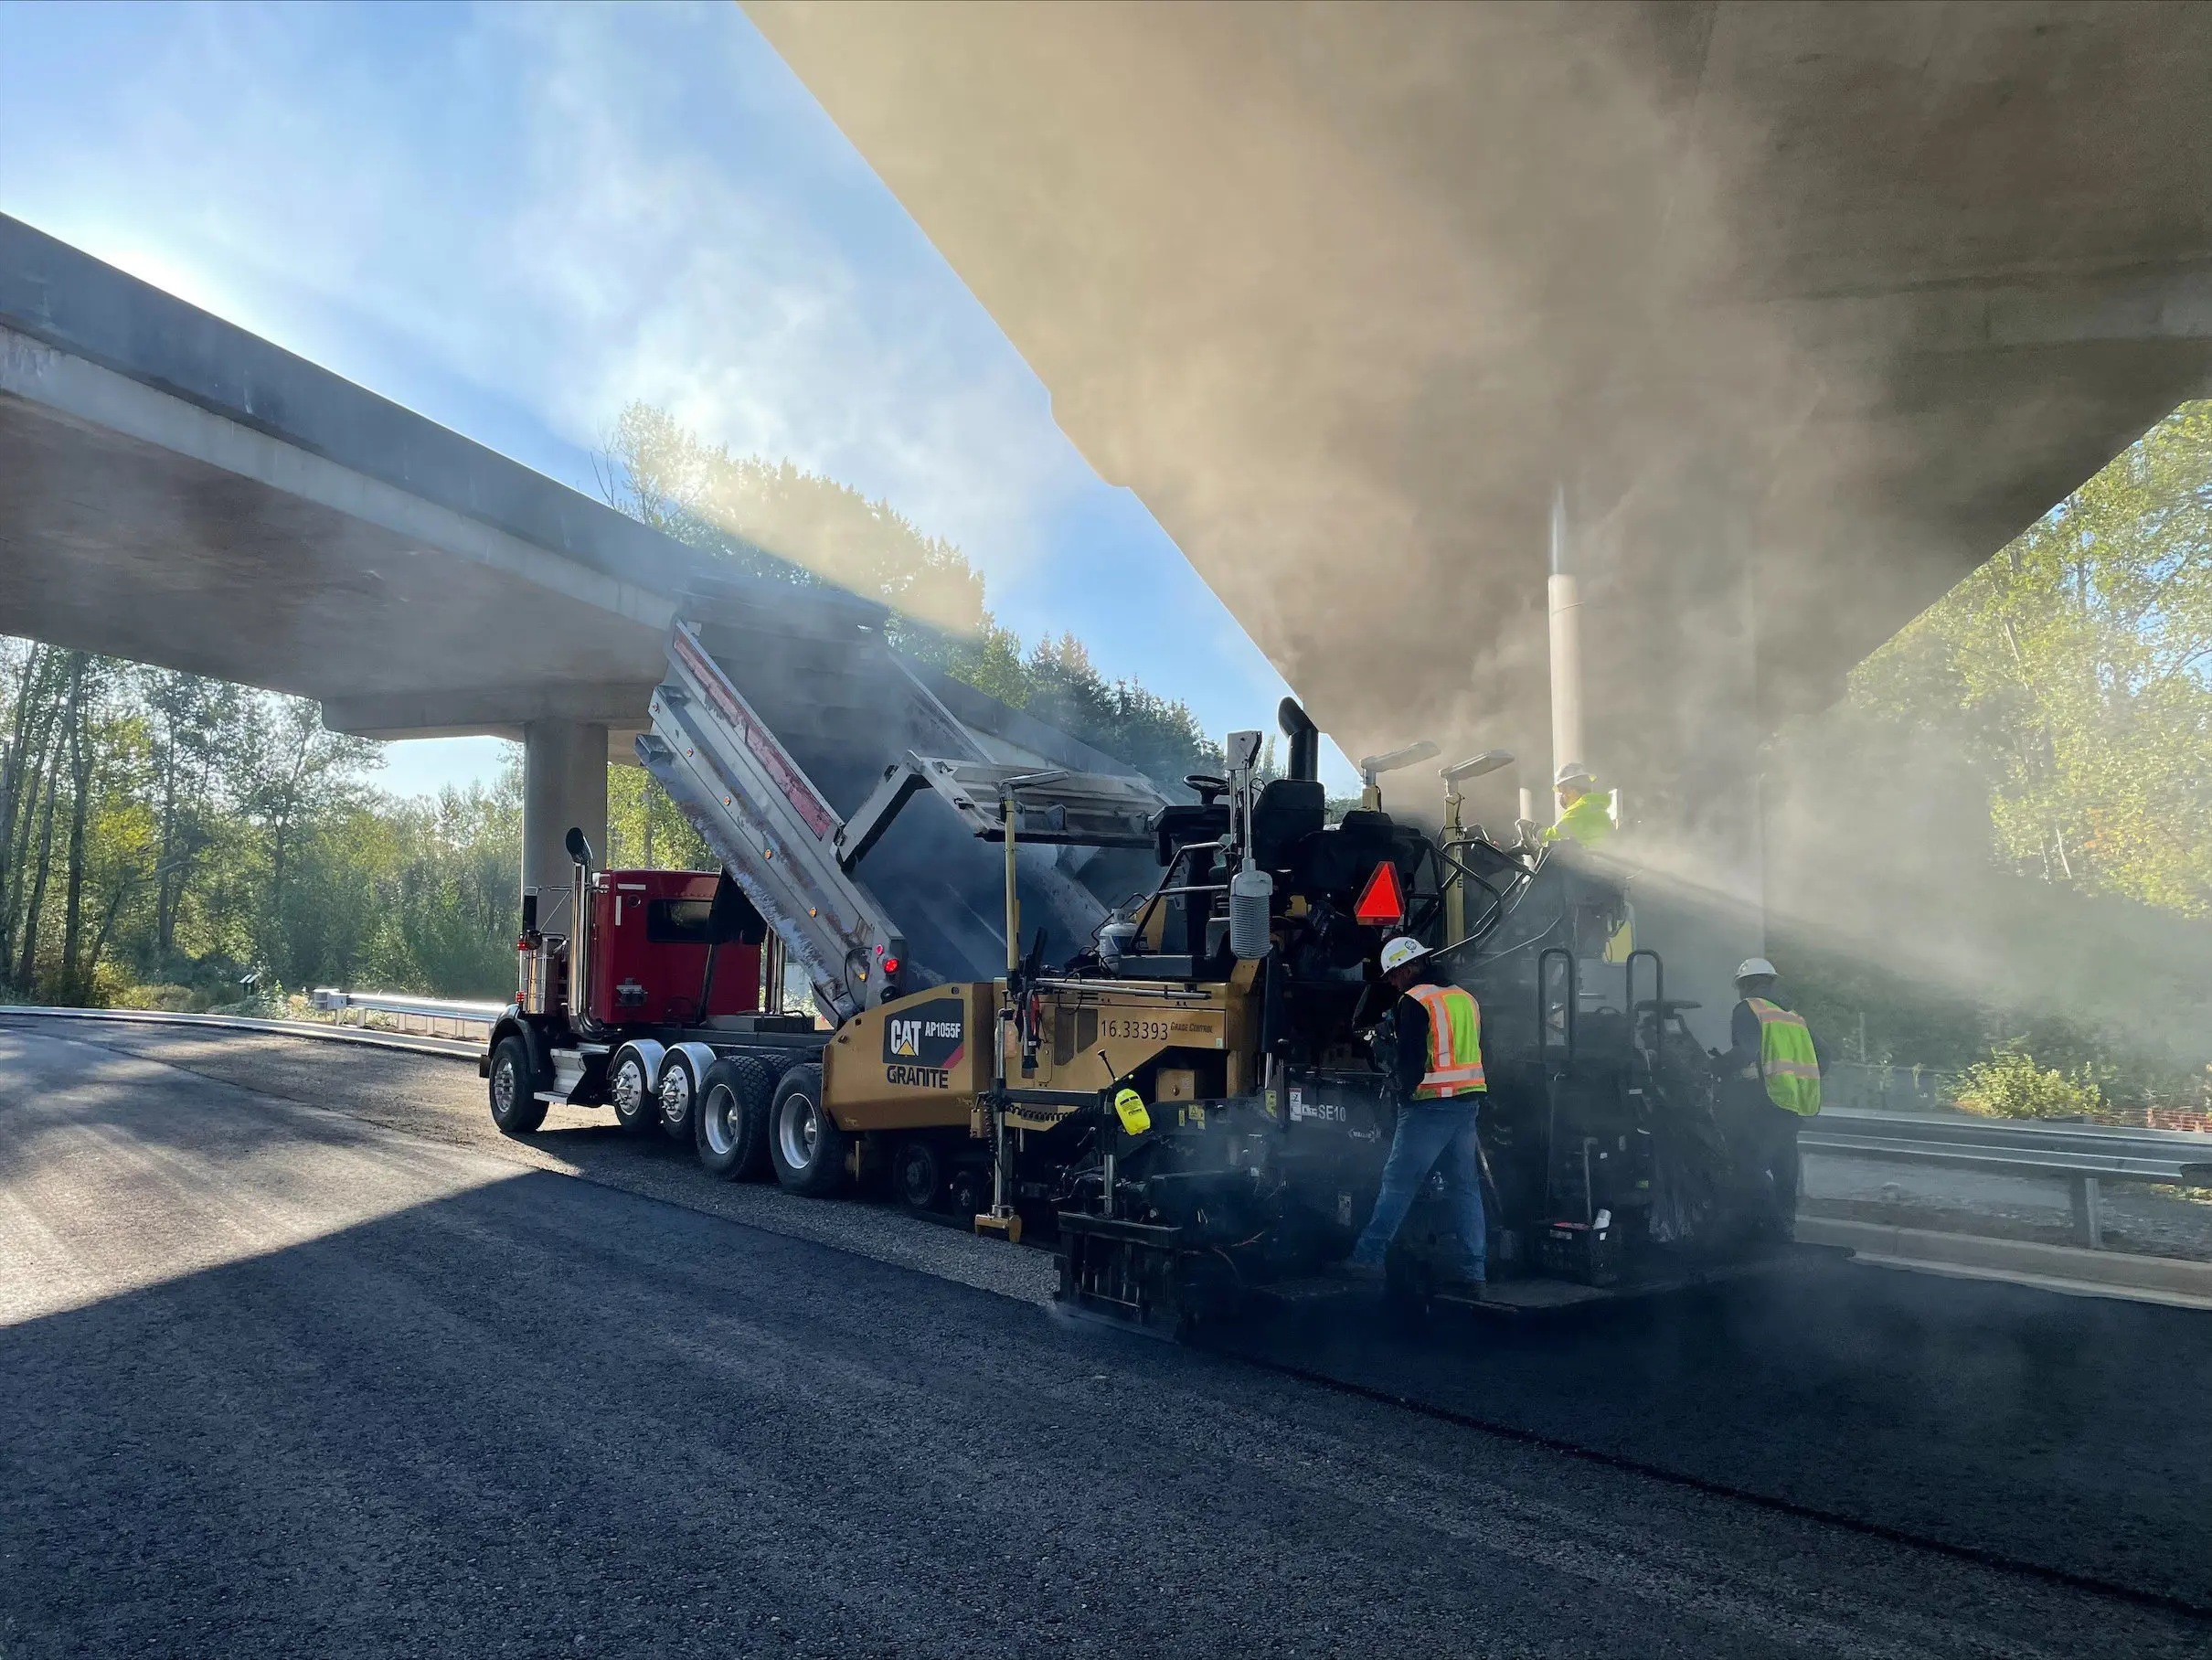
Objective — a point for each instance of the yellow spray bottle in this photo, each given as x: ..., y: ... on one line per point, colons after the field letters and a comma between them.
x: 1129, y: 1107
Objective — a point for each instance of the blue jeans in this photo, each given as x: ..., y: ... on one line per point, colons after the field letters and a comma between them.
x: 1428, y: 1131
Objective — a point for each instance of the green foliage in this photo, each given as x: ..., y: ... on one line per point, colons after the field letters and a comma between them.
x: 1160, y: 738
x: 213, y: 837
x: 1998, y: 844
x: 437, y: 878
x: 2072, y: 671
x: 2009, y: 1084
x: 645, y: 830
x: 776, y: 520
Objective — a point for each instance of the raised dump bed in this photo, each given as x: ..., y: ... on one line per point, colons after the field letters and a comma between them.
x: 844, y: 796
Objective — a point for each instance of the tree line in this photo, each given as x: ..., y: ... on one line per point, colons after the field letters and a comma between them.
x: 170, y: 840
x: 782, y: 522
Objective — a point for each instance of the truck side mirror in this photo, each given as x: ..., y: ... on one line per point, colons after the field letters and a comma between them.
x: 580, y: 850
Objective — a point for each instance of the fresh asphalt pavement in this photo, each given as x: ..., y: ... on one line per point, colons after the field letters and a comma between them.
x: 298, y: 1356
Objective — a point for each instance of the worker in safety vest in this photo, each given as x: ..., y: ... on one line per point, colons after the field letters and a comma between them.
x: 1431, y: 1044
x: 1585, y: 815
x: 1773, y: 1073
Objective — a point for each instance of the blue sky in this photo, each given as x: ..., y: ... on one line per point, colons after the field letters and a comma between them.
x: 515, y: 219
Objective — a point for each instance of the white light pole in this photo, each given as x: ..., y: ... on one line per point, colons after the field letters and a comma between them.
x: 1565, y: 647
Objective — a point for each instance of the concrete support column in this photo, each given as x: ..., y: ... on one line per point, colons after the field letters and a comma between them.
x: 564, y: 783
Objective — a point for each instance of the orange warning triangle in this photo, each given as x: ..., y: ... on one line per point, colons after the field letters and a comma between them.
x: 1382, y: 901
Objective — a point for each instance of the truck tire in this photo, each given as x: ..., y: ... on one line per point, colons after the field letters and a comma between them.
x: 630, y: 1088
x: 678, y: 1098
x: 516, y: 1108
x: 809, y: 1150
x: 731, y: 1119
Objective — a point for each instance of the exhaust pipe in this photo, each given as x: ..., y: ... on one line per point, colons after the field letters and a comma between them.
x: 1306, y: 740
x: 580, y: 930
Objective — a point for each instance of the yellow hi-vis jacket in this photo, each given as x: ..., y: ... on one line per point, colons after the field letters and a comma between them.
x: 1786, y: 1060
x: 1589, y: 821
x: 1455, y: 1042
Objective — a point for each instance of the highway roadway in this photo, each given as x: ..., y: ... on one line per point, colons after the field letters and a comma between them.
x: 297, y: 1357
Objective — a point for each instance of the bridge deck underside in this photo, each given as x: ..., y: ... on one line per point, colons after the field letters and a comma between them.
x: 112, y: 545
x: 1809, y: 310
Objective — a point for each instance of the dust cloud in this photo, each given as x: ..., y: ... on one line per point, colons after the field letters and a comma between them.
x: 1346, y: 292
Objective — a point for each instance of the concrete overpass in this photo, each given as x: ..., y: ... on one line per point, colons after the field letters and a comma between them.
x: 175, y: 490
x: 1805, y: 309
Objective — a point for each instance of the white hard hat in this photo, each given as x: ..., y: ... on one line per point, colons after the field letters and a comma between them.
x: 1751, y: 968
x: 1570, y: 771
x: 1401, y: 951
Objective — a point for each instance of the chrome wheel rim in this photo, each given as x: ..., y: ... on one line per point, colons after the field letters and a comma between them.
x: 798, y: 1131
x: 675, y: 1094
x: 503, y: 1088
x: 719, y: 1119
x: 629, y: 1090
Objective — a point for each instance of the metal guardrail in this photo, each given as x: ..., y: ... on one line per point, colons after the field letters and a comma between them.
x: 2083, y: 1156
x: 438, y: 1012
x: 452, y: 1049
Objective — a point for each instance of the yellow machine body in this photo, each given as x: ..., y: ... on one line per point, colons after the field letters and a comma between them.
x: 922, y: 1061
x: 916, y: 1063
x: 1092, y: 1034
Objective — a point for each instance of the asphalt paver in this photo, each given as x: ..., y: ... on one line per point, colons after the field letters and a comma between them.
x: 294, y: 1362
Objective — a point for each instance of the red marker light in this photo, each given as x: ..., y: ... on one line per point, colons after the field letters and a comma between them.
x: 890, y: 965
x: 1382, y: 902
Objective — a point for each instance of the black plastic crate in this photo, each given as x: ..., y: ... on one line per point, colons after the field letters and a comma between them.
x: 1578, y: 1252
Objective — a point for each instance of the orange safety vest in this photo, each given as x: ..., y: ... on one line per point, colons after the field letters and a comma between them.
x: 1455, y: 1042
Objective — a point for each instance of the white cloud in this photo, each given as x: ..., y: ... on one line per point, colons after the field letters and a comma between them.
x: 670, y: 273
x: 554, y: 205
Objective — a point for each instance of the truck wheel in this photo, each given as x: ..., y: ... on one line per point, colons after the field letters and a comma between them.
x: 917, y: 1174
x: 732, y: 1118
x: 808, y: 1149
x: 679, y: 1097
x: 630, y: 1087
x: 516, y: 1108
